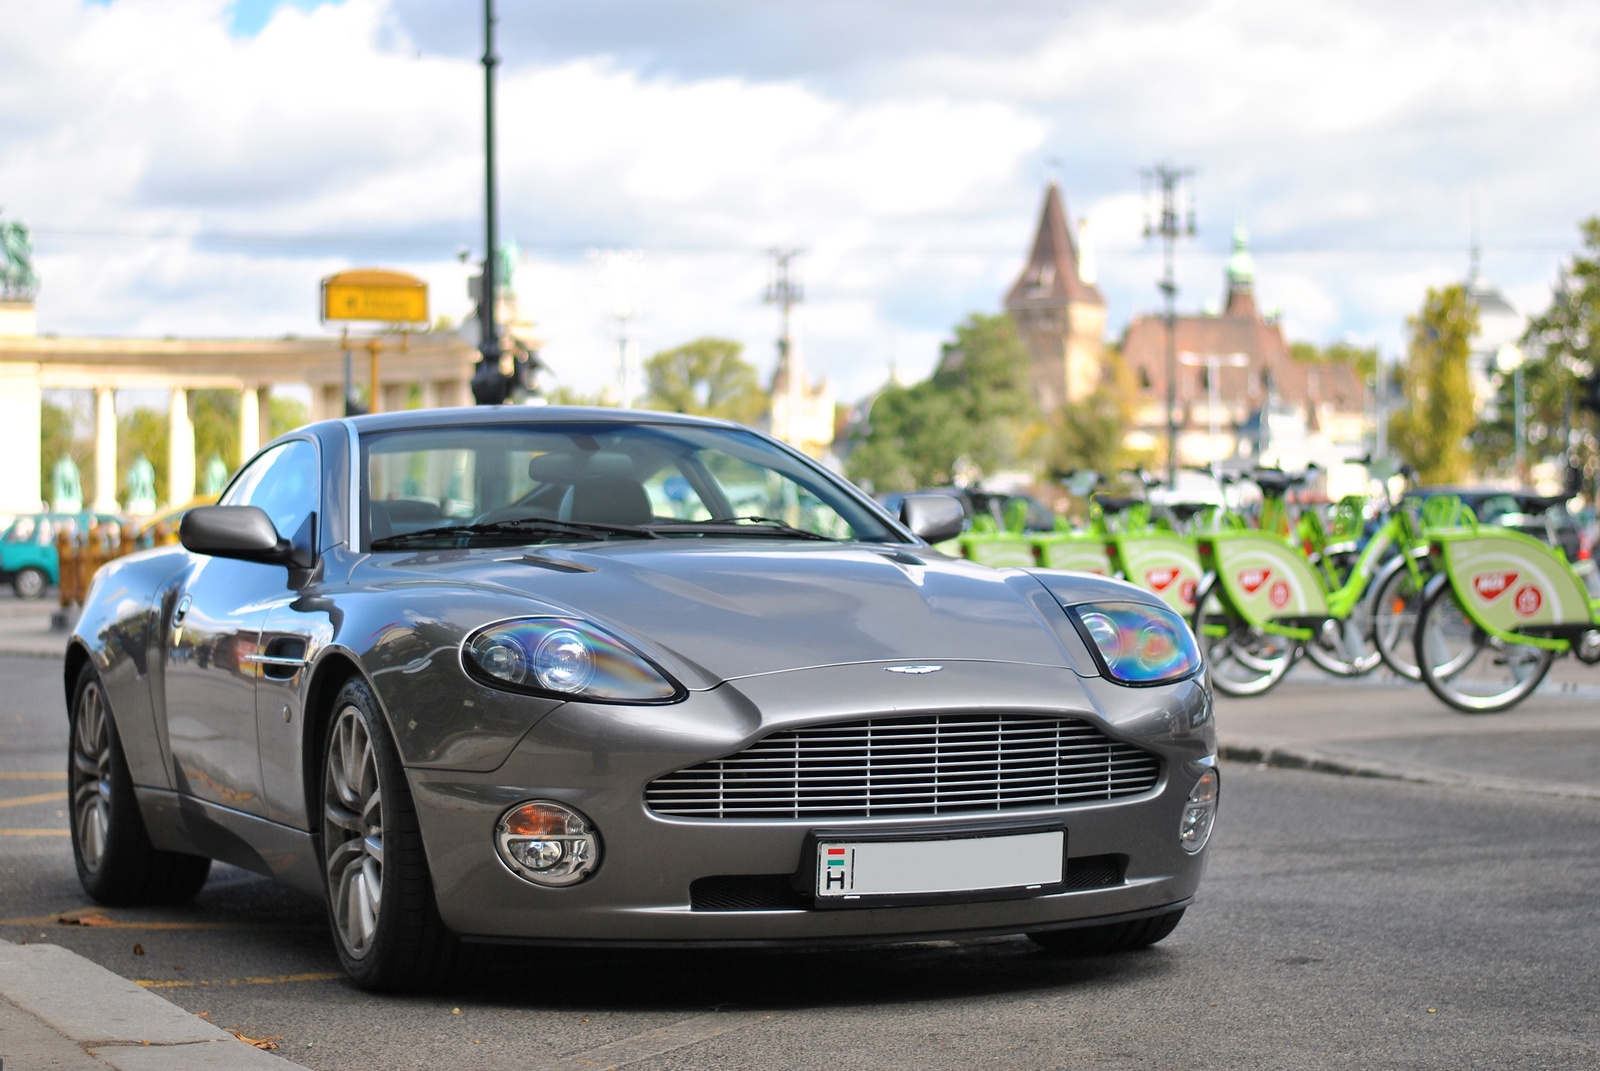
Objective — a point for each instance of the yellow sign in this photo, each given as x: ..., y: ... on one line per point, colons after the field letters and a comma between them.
x: 389, y: 297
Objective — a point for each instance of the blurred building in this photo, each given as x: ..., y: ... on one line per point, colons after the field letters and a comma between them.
x: 1058, y: 312
x: 1270, y: 408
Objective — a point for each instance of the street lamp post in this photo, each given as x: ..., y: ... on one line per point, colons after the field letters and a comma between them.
x: 1170, y: 228
x: 1212, y: 362
x: 488, y: 375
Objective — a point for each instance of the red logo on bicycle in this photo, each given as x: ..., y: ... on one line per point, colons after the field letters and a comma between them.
x: 1492, y: 585
x: 1161, y: 579
x: 1279, y: 594
x: 1252, y: 579
x: 1527, y: 600
x: 1186, y: 592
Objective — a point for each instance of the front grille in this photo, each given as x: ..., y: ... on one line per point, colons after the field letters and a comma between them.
x: 930, y: 764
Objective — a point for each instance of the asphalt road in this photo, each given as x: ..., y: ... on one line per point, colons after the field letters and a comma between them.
x: 1344, y: 923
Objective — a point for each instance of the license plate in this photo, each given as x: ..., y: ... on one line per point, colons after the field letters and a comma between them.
x: 849, y: 869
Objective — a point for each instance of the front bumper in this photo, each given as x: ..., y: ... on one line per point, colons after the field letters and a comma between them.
x: 599, y: 759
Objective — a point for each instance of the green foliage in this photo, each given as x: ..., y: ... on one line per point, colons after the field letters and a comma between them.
x: 1089, y: 434
x: 978, y: 404
x: 1562, y: 345
x: 1363, y: 359
x: 707, y: 377
x: 285, y: 414
x: 59, y: 437
x: 564, y: 395
x: 216, y: 428
x: 142, y: 431
x: 1431, y: 431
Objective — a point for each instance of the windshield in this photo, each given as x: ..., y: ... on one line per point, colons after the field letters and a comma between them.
x: 552, y: 483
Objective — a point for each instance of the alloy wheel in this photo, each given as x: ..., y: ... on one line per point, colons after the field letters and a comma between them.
x: 91, y: 777
x: 352, y: 832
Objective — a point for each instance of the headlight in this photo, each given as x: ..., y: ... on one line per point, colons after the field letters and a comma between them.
x: 567, y: 659
x: 1137, y: 643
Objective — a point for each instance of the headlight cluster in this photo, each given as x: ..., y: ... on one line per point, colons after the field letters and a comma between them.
x: 547, y: 843
x: 565, y: 658
x: 1137, y: 643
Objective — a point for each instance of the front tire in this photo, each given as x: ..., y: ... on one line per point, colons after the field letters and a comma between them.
x: 117, y: 864
x: 30, y: 583
x: 1109, y: 939
x: 1464, y: 666
x: 386, y: 924
x: 1396, y: 601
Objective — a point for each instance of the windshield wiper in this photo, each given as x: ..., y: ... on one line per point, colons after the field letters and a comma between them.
x: 751, y: 525
x: 509, y: 532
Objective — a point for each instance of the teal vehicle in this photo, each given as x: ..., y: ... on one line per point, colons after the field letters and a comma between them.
x: 28, y: 557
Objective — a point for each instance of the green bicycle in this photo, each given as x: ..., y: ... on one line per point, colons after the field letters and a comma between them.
x: 1501, y: 609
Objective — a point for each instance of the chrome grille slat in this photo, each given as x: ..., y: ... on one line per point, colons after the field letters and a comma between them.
x: 939, y: 764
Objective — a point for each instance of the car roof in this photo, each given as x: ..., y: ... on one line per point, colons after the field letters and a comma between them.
x: 480, y: 415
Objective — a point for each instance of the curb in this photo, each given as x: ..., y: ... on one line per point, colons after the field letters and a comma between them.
x: 1294, y: 757
x: 117, y: 1022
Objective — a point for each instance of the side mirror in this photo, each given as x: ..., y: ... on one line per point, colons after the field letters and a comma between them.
x: 933, y: 518
x: 243, y: 532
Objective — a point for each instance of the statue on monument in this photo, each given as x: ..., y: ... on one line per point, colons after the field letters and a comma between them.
x: 216, y: 480
x: 18, y: 280
x: 66, y: 487
x: 141, y: 487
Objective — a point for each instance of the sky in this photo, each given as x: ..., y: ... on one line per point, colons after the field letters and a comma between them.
x: 193, y: 168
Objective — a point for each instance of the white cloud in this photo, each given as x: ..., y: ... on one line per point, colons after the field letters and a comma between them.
x: 1351, y: 135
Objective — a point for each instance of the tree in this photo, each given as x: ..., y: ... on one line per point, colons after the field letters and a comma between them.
x: 978, y: 405
x: 1431, y: 432
x: 706, y: 377
x: 285, y: 414
x: 1089, y: 434
x: 142, y: 431
x: 60, y: 427
x: 216, y: 428
x: 1561, y: 346
x: 1363, y: 360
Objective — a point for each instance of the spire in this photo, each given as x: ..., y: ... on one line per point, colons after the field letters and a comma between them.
x: 1241, y: 298
x: 1053, y: 274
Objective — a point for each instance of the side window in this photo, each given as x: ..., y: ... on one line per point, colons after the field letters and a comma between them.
x: 284, y: 482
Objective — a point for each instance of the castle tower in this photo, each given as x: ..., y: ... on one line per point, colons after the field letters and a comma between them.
x: 1058, y: 312
x: 1241, y: 275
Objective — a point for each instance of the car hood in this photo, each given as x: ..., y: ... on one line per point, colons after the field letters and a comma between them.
x: 723, y: 609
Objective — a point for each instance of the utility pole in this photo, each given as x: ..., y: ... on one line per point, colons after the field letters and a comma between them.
x: 1174, y: 183
x: 786, y: 292
x: 489, y: 387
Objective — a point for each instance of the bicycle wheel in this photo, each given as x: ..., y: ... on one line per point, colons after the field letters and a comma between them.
x: 1464, y: 666
x: 1243, y: 660
x: 1396, y: 598
x: 1346, y: 648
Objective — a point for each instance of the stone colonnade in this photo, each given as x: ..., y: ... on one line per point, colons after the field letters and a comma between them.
x: 441, y: 365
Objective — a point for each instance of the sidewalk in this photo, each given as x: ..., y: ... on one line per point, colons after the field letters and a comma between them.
x: 25, y: 627
x: 1377, y: 727
x: 58, y: 1009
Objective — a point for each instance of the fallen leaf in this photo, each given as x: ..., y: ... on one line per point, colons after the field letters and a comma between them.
x: 138, y: 950
x: 455, y: 1011
x: 93, y: 918
x: 202, y: 1015
x: 267, y: 1044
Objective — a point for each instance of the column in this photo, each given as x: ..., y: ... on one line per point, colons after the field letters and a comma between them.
x: 396, y: 397
x: 180, y: 449
x: 21, y: 401
x: 249, y: 422
x: 263, y: 416
x: 105, y: 450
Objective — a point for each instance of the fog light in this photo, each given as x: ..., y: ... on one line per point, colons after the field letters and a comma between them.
x: 1199, y: 813
x: 547, y: 843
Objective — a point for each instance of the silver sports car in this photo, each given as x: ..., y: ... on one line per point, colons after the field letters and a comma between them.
x: 594, y: 677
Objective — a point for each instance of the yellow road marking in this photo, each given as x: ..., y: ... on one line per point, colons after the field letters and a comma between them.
x: 35, y: 832
x: 43, y: 797
x: 315, y: 976
x: 99, y: 921
x: 58, y: 775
